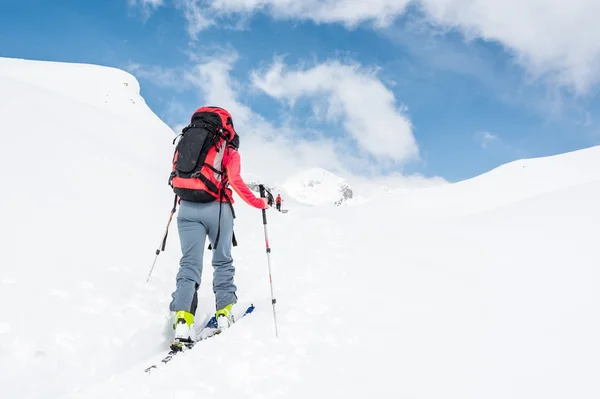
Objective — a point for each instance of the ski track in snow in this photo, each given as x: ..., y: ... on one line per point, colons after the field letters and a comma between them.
x: 482, y: 289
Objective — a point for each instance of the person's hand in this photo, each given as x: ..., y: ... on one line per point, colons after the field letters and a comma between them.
x: 265, y: 203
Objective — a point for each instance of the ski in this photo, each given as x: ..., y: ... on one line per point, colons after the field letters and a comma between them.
x: 209, y: 330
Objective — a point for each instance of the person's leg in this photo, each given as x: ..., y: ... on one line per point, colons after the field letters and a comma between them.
x: 224, y: 271
x: 192, y: 235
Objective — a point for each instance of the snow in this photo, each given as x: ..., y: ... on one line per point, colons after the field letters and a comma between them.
x: 502, y: 186
x: 84, y: 198
x: 485, y: 288
x: 317, y: 187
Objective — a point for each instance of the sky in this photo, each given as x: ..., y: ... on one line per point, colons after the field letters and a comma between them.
x: 407, y: 92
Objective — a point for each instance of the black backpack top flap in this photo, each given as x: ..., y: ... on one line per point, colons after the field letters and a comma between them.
x: 193, y: 147
x: 210, y: 118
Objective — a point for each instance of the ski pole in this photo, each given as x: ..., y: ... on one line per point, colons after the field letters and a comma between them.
x: 163, y: 242
x: 263, y: 190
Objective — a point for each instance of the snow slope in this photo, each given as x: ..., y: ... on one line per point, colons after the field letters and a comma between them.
x: 84, y: 165
x: 496, y: 305
x: 482, y: 289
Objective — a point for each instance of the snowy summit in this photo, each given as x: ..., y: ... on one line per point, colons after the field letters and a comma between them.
x: 318, y: 187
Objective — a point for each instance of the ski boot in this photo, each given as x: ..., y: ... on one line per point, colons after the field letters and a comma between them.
x: 224, y: 318
x: 184, y: 322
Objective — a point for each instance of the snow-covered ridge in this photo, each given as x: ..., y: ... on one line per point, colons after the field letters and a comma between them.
x: 507, y: 184
x: 106, y: 88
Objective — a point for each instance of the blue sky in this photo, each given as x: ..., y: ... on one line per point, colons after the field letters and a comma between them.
x: 460, y: 105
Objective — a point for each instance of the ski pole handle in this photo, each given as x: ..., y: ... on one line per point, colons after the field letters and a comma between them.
x: 262, y: 195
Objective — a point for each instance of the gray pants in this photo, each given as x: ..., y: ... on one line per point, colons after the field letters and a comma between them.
x: 195, y: 221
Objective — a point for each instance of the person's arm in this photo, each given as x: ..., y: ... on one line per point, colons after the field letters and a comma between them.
x: 233, y: 169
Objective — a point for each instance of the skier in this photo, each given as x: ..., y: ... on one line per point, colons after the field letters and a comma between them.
x: 278, y: 202
x: 204, y: 212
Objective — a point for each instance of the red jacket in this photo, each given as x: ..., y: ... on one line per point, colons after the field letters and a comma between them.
x: 232, y: 166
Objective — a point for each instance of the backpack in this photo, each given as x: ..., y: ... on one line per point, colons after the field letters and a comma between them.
x: 197, y: 173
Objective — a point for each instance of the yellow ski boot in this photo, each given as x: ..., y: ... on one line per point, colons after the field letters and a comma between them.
x: 184, y: 322
x: 224, y: 317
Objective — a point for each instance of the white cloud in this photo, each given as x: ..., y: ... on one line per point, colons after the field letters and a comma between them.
x: 196, y: 18
x: 213, y: 79
x: 201, y: 14
x: 147, y: 6
x: 348, y: 12
x: 146, y: 3
x: 267, y: 150
x: 352, y: 95
x: 553, y: 39
x: 278, y: 151
x: 549, y: 37
x: 487, y: 138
